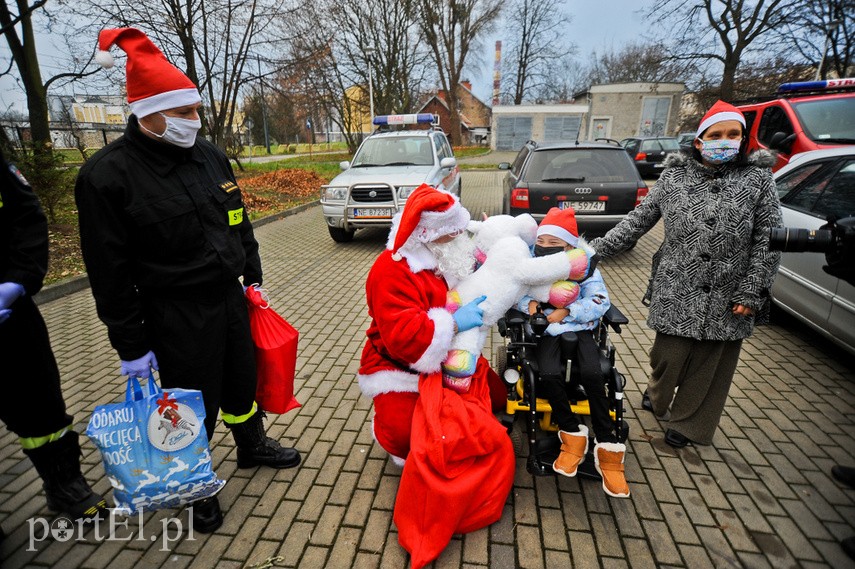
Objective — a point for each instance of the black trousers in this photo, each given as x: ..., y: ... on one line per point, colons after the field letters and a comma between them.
x: 551, y: 385
x: 203, y: 341
x: 32, y: 403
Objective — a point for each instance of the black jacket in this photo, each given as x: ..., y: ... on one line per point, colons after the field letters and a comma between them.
x: 23, y: 231
x: 159, y: 220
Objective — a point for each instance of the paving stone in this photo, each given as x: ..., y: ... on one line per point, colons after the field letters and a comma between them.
x: 760, y: 496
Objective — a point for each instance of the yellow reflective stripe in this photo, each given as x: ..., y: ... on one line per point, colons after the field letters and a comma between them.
x: 236, y: 419
x: 30, y: 443
x: 236, y: 216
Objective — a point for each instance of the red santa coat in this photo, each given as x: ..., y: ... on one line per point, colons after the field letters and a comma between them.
x: 461, y: 468
x: 410, y: 334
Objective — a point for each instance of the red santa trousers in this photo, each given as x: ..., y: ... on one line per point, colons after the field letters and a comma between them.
x: 459, y: 471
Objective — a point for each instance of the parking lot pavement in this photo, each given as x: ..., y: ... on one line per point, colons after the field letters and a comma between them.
x: 760, y: 496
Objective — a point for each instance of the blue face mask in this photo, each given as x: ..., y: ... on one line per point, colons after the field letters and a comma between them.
x: 720, y: 151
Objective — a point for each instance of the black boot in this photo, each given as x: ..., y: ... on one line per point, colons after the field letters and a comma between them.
x: 255, y: 448
x: 207, y: 515
x: 58, y: 463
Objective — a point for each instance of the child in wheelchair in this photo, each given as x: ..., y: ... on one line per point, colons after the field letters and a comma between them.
x: 581, y: 315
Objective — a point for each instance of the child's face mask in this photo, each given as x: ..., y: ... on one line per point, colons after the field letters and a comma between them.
x: 540, y: 250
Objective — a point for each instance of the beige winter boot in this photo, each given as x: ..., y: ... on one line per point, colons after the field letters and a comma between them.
x: 574, y: 446
x: 608, y: 458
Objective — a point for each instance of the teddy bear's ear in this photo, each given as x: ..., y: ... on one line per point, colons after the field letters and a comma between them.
x: 483, y: 216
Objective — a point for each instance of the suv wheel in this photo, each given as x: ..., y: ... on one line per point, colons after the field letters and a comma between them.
x: 340, y: 235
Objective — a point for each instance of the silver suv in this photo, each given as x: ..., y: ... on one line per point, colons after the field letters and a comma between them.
x: 386, y: 168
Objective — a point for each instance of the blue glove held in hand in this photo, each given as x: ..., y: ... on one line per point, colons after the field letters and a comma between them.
x: 9, y: 293
x: 140, y: 367
x: 4, y: 314
x: 470, y: 315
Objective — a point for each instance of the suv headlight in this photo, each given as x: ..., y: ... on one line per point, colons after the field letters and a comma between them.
x: 405, y: 191
x: 335, y: 194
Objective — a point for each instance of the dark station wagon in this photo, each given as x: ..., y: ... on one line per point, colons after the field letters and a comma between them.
x: 598, y: 180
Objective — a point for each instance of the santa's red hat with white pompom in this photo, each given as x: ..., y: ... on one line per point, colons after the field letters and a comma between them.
x: 720, y: 112
x: 428, y: 214
x: 153, y: 83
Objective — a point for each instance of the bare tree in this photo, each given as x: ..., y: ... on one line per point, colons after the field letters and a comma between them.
x: 538, y: 29
x: 344, y: 49
x: 214, y: 40
x: 567, y: 78
x: 18, y: 15
x: 452, y: 28
x: 823, y: 33
x: 636, y: 62
x: 725, y: 31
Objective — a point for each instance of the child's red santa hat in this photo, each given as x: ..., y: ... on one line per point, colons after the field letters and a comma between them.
x: 428, y: 214
x: 560, y: 223
x: 720, y: 112
x: 153, y: 83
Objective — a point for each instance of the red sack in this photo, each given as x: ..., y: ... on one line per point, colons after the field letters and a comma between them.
x: 275, y: 354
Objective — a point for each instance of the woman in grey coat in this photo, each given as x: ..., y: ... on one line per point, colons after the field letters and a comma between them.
x: 711, y: 277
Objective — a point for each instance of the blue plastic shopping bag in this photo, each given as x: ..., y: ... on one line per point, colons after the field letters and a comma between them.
x: 154, y: 447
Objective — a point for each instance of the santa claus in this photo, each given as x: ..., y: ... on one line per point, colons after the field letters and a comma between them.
x: 458, y: 460
x: 411, y: 330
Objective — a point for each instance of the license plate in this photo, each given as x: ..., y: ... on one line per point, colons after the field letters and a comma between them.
x: 381, y: 212
x: 584, y: 206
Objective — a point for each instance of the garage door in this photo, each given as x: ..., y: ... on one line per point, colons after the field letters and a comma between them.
x: 561, y: 129
x: 512, y: 132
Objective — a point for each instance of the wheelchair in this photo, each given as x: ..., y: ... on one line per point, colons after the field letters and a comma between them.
x: 516, y: 363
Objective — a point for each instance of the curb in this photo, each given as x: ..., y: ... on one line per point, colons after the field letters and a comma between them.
x: 81, y: 282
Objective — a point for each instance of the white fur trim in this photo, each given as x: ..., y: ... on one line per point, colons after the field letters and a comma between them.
x: 611, y: 447
x: 558, y: 231
x: 717, y: 118
x: 583, y: 431
x: 443, y: 332
x: 104, y: 59
x: 432, y: 225
x: 163, y: 101
x: 387, y: 381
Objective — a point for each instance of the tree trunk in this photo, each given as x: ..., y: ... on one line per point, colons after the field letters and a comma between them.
x: 728, y: 79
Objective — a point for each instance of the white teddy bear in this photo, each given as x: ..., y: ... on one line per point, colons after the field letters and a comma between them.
x: 507, y: 273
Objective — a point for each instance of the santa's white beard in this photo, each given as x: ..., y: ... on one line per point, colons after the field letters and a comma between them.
x: 455, y: 259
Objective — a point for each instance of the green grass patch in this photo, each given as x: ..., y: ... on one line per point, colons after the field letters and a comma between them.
x: 325, y: 165
x: 470, y: 151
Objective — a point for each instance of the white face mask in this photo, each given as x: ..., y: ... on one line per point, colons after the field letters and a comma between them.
x: 180, y: 132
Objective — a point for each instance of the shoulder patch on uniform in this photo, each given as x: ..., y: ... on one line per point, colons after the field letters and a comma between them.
x: 228, y: 187
x: 17, y: 174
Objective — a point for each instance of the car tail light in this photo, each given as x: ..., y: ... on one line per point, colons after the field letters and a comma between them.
x: 641, y: 156
x: 519, y: 198
x: 641, y: 194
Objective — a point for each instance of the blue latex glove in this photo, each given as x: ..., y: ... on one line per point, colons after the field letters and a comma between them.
x: 9, y: 293
x: 4, y: 314
x: 470, y: 315
x: 140, y: 367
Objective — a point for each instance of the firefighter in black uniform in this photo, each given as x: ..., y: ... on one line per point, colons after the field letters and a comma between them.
x: 165, y: 239
x: 32, y: 405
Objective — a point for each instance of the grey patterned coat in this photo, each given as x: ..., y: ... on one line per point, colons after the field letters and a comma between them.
x: 716, y: 249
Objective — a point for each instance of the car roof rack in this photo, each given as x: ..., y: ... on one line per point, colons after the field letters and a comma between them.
x: 387, y: 123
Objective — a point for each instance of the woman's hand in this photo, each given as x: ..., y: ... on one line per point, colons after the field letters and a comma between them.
x: 742, y: 310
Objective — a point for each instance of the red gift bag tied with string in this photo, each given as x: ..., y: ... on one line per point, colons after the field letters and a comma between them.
x: 275, y: 354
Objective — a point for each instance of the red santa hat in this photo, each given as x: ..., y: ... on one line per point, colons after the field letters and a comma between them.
x: 560, y: 223
x: 153, y: 83
x: 720, y: 112
x: 429, y: 214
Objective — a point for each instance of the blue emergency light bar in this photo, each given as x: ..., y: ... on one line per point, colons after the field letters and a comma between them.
x: 420, y: 118
x: 848, y: 82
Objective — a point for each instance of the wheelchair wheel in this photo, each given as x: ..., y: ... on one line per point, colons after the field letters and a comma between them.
x: 501, y: 360
x: 623, y: 431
